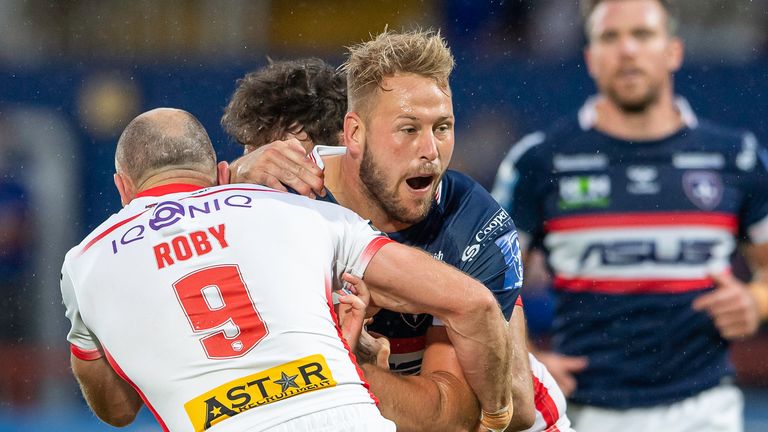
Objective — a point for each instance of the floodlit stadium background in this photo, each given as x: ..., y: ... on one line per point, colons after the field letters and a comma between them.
x: 73, y: 73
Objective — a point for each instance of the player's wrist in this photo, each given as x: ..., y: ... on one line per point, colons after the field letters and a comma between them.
x: 497, y: 421
x: 759, y: 291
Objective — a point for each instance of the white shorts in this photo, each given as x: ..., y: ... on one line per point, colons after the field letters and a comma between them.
x: 719, y: 409
x: 346, y: 418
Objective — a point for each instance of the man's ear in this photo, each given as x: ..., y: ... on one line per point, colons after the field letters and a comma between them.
x: 222, y: 173
x: 588, y: 62
x: 354, y: 134
x: 676, y: 51
x: 125, y: 188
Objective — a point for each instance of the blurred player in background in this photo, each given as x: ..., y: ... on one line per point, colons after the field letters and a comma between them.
x: 639, y: 206
x: 404, y: 115
x: 181, y: 300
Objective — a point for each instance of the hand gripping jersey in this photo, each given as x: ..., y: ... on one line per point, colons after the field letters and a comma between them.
x: 467, y: 229
x: 632, y: 230
x: 216, y: 304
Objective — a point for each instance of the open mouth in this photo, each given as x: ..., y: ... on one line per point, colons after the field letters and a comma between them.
x: 420, y: 182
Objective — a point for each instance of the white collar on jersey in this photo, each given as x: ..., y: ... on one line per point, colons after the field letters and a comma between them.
x: 588, y: 113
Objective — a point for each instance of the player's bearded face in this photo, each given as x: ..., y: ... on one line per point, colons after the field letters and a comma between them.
x: 385, y: 189
x: 631, y: 56
x: 408, y: 145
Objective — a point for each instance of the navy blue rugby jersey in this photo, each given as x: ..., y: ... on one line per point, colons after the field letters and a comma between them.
x: 632, y: 230
x: 467, y: 229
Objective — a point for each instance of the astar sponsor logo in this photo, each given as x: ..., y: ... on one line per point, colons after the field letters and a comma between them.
x: 271, y: 385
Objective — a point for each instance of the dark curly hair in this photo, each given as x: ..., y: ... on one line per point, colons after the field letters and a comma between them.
x: 307, y: 94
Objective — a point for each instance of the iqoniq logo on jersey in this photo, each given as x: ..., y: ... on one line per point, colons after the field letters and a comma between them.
x: 165, y: 214
x: 287, y: 380
x: 168, y: 213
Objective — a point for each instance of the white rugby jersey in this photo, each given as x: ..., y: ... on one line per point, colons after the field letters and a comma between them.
x: 216, y: 302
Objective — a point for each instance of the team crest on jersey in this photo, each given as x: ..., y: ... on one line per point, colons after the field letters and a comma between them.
x: 584, y: 191
x: 271, y: 385
x: 510, y: 248
x: 703, y: 188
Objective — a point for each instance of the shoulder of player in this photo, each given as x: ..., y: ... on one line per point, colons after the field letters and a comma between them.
x: 466, y: 204
x: 738, y: 146
x: 114, y: 221
x: 719, y: 134
x: 536, y: 148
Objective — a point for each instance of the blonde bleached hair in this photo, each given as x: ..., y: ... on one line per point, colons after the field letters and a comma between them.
x: 420, y: 52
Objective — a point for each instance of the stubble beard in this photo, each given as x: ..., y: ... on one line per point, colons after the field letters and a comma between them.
x: 636, y: 105
x: 373, y: 179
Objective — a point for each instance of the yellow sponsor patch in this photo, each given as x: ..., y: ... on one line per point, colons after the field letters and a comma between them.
x: 271, y: 385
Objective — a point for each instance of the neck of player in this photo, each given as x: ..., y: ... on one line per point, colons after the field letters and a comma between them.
x: 184, y: 176
x: 659, y: 120
x: 342, y: 179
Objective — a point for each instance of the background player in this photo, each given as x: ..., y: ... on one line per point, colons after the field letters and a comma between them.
x: 639, y: 206
x: 285, y: 162
x: 204, y: 315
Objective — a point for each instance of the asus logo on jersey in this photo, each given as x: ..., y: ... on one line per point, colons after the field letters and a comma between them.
x: 632, y: 252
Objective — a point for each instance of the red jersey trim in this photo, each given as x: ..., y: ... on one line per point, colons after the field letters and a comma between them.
x: 631, y: 286
x: 519, y: 301
x: 84, y: 354
x: 352, y: 357
x: 545, y: 405
x: 109, y: 230
x: 168, y: 189
x: 407, y: 345
x: 373, y: 247
x: 122, y: 375
x: 634, y: 220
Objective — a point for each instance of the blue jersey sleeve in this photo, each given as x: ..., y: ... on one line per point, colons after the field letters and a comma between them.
x: 519, y: 187
x: 490, y: 251
x: 753, y: 160
x: 498, y: 265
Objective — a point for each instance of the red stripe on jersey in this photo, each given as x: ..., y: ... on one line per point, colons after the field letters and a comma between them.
x: 122, y: 375
x: 373, y: 247
x: 84, y: 354
x: 519, y: 301
x: 109, y: 230
x: 545, y: 405
x: 335, y: 319
x: 407, y: 345
x: 631, y: 286
x: 634, y: 220
x: 168, y: 189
